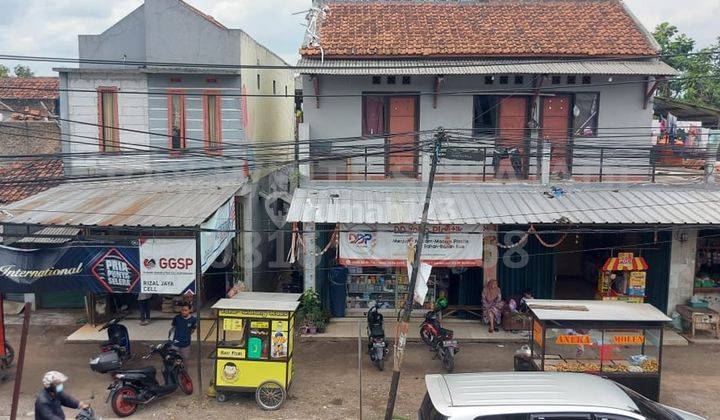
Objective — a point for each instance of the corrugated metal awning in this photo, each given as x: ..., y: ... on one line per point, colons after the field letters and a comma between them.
x: 504, y: 205
x: 146, y: 203
x: 51, y: 235
x: 484, y: 66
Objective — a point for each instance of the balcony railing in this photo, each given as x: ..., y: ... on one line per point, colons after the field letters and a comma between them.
x: 483, y: 161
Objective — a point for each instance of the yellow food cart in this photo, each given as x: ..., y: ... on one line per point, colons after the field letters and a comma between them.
x: 254, y: 350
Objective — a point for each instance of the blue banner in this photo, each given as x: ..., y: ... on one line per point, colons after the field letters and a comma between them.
x: 97, y: 269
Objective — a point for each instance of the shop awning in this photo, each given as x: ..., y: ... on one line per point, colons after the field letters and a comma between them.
x: 510, y: 205
x: 634, y: 264
x: 146, y: 203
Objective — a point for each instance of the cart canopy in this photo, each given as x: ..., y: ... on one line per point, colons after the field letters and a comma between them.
x: 255, y: 301
x: 594, y: 310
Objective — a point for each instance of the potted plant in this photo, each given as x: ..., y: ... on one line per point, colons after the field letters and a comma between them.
x: 312, y: 317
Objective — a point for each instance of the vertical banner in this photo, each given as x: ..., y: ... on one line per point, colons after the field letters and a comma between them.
x: 221, y: 228
x: 167, y: 265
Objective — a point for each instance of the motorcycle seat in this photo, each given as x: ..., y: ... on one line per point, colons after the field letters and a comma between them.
x: 377, y: 331
x: 445, y: 332
x: 148, y: 370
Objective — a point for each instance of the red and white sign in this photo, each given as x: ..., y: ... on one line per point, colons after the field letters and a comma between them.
x: 387, y: 245
x: 167, y: 266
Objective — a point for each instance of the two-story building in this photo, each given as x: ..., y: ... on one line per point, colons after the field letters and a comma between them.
x: 547, y: 170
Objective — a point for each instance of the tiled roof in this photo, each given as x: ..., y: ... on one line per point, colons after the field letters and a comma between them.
x: 14, y: 185
x: 29, y: 88
x: 204, y: 15
x: 495, y: 28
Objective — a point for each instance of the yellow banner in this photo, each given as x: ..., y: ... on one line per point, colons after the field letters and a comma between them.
x: 279, y: 339
x: 225, y: 353
x: 573, y: 339
x: 243, y: 313
x: 538, y: 333
x: 260, y: 324
x: 230, y: 324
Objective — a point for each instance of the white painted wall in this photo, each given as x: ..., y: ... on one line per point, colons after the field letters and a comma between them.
x: 82, y: 107
x: 683, y: 252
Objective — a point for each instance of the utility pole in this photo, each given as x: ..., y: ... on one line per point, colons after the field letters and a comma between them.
x: 401, y: 338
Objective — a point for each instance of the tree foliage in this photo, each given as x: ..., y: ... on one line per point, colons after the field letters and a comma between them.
x: 699, y: 81
x: 4, y: 71
x: 23, y: 71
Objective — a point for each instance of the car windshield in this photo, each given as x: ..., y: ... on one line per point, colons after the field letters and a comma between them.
x: 649, y: 408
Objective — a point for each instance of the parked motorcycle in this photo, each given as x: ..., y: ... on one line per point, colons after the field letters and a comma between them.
x: 377, y: 344
x: 439, y: 339
x: 133, y: 388
x: 118, y: 338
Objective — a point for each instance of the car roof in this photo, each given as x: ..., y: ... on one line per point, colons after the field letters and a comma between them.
x: 524, y: 389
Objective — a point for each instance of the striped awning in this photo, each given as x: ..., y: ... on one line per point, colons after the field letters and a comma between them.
x: 634, y: 264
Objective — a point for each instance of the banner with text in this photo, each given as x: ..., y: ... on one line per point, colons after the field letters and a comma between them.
x: 98, y: 269
x: 168, y: 265
x: 387, y: 245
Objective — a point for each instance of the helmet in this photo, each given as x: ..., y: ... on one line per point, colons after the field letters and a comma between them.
x: 53, y: 378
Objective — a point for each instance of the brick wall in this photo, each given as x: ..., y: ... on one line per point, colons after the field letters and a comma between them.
x: 28, y: 138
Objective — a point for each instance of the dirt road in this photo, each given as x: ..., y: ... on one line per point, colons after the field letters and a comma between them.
x: 326, y: 384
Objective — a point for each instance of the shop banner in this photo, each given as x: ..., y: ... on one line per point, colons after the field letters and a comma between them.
x: 222, y: 230
x: 168, y: 266
x: 98, y: 269
x: 387, y: 245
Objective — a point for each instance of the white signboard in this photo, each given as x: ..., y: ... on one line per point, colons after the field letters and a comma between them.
x: 222, y: 229
x: 167, y: 266
x: 387, y: 245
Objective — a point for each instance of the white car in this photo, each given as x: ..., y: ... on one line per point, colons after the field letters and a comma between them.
x: 537, y: 396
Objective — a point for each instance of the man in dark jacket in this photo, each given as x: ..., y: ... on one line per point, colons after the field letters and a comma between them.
x: 52, y: 398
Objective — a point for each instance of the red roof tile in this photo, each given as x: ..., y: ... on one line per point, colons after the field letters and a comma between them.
x: 14, y: 185
x: 29, y: 88
x: 507, y: 28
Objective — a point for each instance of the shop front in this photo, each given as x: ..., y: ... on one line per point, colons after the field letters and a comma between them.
x: 371, y: 265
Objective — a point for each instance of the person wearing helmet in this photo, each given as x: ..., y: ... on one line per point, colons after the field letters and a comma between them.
x: 52, y: 398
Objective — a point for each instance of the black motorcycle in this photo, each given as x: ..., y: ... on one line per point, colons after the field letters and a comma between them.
x: 377, y: 344
x: 132, y: 388
x: 440, y: 340
x: 118, y: 338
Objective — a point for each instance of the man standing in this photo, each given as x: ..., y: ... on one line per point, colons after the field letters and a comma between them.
x: 184, y: 325
x: 144, y: 302
x: 51, y: 400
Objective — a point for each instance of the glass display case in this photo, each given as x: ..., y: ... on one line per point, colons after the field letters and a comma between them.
x: 617, y: 340
x: 388, y: 286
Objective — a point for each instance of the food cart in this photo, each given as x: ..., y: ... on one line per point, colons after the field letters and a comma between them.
x: 617, y: 340
x: 623, y: 278
x: 254, y: 350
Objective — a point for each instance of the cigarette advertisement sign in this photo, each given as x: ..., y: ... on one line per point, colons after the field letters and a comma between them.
x: 387, y: 245
x: 168, y: 265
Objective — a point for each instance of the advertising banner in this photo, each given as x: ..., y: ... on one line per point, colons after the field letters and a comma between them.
x: 168, y: 265
x: 98, y: 269
x: 222, y: 230
x: 387, y: 245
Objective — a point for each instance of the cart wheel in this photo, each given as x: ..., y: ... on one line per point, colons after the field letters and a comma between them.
x: 221, y: 397
x: 270, y: 395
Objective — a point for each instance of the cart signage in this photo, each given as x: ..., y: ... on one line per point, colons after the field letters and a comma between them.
x: 629, y: 339
x: 625, y: 261
x: 538, y: 333
x: 168, y: 265
x: 224, y: 353
x: 572, y: 340
x: 244, y: 313
x: 230, y: 324
x: 228, y: 373
x: 387, y: 246
x: 259, y: 325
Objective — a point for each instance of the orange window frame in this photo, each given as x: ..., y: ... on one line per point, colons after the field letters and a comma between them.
x: 101, y: 118
x: 218, y: 121
x: 171, y: 111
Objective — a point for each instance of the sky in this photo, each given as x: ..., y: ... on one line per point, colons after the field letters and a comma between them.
x: 50, y: 27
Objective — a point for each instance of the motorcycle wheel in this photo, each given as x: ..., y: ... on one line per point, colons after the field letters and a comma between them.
x: 185, y: 382
x: 120, y: 407
x: 448, y: 360
x: 7, y: 360
x: 380, y: 363
x: 270, y: 395
x: 426, y: 337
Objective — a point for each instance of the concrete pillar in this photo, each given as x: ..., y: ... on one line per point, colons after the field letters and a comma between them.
x: 304, y: 151
x: 545, y: 170
x: 309, y: 259
x: 490, y: 254
x: 682, y: 267
x: 249, y: 242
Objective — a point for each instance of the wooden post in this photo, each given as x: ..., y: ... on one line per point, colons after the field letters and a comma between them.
x: 401, y: 337
x: 21, y: 361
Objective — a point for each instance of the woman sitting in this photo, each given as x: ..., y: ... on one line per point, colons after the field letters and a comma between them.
x: 492, y: 305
